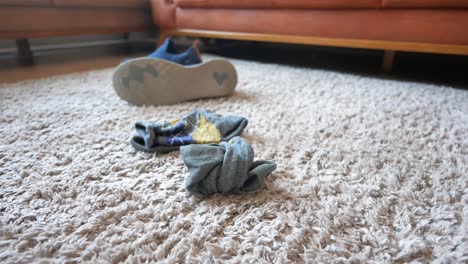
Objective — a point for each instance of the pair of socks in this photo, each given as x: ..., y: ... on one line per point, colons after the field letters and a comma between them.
x: 219, y: 160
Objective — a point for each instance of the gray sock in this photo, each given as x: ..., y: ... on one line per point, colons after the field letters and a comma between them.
x: 198, y: 127
x: 227, y: 167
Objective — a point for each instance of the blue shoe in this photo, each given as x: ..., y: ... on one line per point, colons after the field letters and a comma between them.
x: 167, y: 52
x: 165, y: 77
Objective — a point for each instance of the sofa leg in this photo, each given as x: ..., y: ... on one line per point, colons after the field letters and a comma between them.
x: 388, y: 59
x: 128, y: 46
x: 24, y: 54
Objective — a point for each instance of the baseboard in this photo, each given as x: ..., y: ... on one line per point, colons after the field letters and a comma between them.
x: 47, y: 47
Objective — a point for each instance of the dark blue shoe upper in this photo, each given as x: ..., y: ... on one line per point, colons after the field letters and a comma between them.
x: 167, y: 52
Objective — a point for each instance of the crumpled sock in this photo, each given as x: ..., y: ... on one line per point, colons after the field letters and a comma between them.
x: 227, y: 167
x: 198, y: 127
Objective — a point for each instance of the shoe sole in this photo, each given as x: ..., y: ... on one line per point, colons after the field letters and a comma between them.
x: 149, y: 81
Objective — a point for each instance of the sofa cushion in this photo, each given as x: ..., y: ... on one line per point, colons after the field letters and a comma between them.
x: 425, y: 3
x: 102, y: 3
x: 272, y: 4
x: 407, y: 25
x: 25, y: 2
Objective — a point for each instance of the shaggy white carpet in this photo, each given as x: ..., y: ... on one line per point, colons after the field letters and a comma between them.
x: 369, y: 170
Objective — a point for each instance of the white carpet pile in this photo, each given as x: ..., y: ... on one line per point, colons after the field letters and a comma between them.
x: 369, y: 170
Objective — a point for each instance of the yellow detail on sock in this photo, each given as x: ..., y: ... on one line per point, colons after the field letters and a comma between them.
x: 206, y: 132
x: 174, y: 122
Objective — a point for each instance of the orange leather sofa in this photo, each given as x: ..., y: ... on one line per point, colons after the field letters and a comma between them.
x: 44, y: 18
x: 434, y: 26
x: 23, y: 19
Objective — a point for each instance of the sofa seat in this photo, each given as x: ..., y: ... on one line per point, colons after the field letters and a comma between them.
x: 425, y: 3
x: 101, y: 3
x: 395, y: 25
x: 279, y: 4
x: 25, y: 2
x: 77, y: 3
x: 21, y: 19
x: 24, y: 19
x: 421, y: 21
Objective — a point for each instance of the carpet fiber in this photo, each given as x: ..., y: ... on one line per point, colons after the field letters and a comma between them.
x: 369, y: 170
